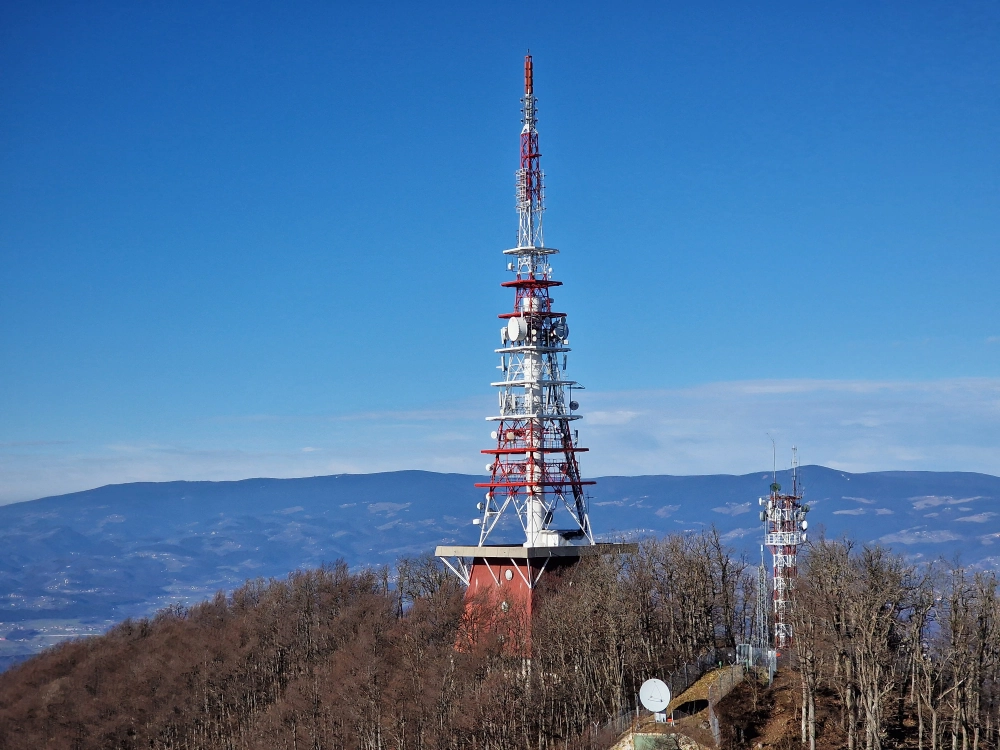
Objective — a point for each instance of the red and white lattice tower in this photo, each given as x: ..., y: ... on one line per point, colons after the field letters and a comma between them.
x: 534, y: 471
x: 533, y: 468
x: 785, y: 527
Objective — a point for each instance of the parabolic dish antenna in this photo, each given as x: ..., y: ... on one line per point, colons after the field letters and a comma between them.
x: 655, y: 695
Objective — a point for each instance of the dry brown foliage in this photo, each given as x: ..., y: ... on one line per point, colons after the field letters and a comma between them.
x: 333, y: 659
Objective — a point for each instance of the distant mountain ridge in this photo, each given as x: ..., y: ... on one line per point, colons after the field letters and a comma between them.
x: 75, y: 563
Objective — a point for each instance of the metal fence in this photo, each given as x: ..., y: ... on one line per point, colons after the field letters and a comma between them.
x: 719, y: 690
x: 678, y: 681
x: 764, y: 659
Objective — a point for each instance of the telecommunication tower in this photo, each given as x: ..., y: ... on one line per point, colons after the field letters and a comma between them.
x: 759, y: 653
x: 534, y: 470
x: 785, y: 525
x: 761, y: 640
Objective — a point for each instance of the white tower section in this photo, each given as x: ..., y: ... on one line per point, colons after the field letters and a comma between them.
x: 534, y: 468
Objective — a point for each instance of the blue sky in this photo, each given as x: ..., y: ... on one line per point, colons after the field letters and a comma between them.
x: 249, y: 239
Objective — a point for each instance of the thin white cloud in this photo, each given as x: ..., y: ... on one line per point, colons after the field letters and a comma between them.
x: 918, y: 535
x: 738, y: 534
x: 667, y: 510
x: 933, y: 501
x: 930, y: 501
x: 978, y: 517
x: 705, y: 429
x: 390, y: 508
x: 849, y: 425
x: 733, y: 509
x: 34, y: 443
x: 611, y: 417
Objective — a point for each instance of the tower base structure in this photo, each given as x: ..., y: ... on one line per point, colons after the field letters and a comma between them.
x: 501, y: 580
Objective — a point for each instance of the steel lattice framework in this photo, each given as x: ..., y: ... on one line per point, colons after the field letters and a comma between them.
x: 761, y: 640
x: 534, y: 468
x: 785, y: 530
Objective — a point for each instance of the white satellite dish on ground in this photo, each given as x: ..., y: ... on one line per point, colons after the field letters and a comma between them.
x: 655, y: 695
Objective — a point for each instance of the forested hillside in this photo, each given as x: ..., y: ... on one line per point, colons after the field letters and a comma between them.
x: 384, y: 659
x: 331, y: 659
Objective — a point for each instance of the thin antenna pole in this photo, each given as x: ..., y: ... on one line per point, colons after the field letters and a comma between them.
x: 795, y: 470
x: 530, y: 178
x: 774, y: 459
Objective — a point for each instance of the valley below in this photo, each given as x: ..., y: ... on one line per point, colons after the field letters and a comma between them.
x: 73, y: 565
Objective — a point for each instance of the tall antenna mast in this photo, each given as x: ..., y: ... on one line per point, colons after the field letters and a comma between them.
x: 534, y: 468
x: 530, y: 188
x: 795, y: 470
x: 774, y: 459
x: 533, y: 471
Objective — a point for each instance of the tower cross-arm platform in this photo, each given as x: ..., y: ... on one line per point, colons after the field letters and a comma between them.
x: 511, y: 572
x: 520, y: 552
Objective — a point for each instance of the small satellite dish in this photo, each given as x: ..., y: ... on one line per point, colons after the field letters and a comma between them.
x: 655, y: 695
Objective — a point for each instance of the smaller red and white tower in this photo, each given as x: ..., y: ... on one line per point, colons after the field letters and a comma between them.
x: 785, y: 525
